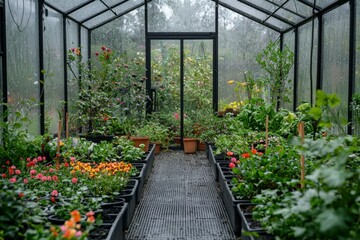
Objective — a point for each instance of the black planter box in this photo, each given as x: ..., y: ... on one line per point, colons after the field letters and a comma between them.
x: 129, y: 194
x: 115, y: 230
x: 149, y: 161
x: 141, y: 167
x: 97, y: 138
x: 231, y: 203
x: 251, y: 231
x: 225, y: 176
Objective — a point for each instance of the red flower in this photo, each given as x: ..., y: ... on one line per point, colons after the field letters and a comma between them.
x: 245, y: 155
x: 96, y: 53
x: 3, y: 175
x: 55, y: 178
x: 232, y: 165
x: 17, y: 172
x: 74, y: 180
x: 253, y: 150
x: 103, y: 48
x: 66, y: 164
x: 53, y: 199
x: 21, y: 195
x: 230, y: 154
x: 7, y: 162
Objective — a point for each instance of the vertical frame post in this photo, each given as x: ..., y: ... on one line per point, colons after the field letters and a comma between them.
x: 352, y: 59
x: 296, y: 68
x: 41, y: 65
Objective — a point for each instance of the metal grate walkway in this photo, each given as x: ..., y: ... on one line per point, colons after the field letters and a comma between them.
x: 180, y: 202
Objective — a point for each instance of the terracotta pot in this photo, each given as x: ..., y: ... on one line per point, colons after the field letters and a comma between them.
x: 141, y: 140
x: 221, y: 113
x: 177, y: 140
x: 157, y: 148
x: 201, y: 146
x: 228, y: 110
x: 190, y: 145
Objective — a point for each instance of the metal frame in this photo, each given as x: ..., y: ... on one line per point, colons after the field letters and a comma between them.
x: 4, y: 62
x: 352, y: 60
x: 41, y: 65
x: 296, y: 67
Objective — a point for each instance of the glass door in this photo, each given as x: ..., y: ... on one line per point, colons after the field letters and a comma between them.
x: 181, y: 84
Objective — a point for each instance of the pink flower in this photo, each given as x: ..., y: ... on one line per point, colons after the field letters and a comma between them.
x: 51, y: 170
x: 39, y: 158
x: 176, y: 116
x: 28, y: 159
x: 43, y: 178
x: 55, y: 178
x: 26, y: 181
x: 78, y: 234
x: 232, y: 165
x: 32, y: 172
x: 54, y: 193
x: 17, y: 172
x: 233, y: 160
x: 12, y: 180
x: 48, y: 178
x: 39, y: 176
x: 72, y: 159
x: 74, y: 180
x: 13, y: 167
x: 63, y: 228
x: 44, y: 158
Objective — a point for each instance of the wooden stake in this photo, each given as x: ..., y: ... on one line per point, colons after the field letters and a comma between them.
x: 267, y: 132
x: 67, y: 125
x: 302, y: 158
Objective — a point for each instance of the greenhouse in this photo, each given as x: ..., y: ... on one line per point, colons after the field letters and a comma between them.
x: 180, y: 119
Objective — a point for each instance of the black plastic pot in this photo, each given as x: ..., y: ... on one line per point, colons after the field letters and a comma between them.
x: 250, y: 229
x: 149, y: 161
x: 231, y: 203
x: 97, y: 138
x: 129, y: 194
x: 141, y: 167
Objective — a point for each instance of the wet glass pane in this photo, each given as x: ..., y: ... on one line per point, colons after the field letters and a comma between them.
x: 299, y: 8
x: 356, y: 119
x: 237, y: 53
x: 53, y: 68
x: 324, y: 3
x: 88, y: 11
x: 72, y: 41
x: 280, y: 24
x: 165, y: 80
x: 289, y: 41
x: 85, y: 43
x: 245, y: 8
x: 198, y: 84
x: 336, y: 57
x: 23, y: 57
x: 125, y: 35
x: 65, y: 5
x: 304, y: 81
x: 182, y: 16
x: 109, y: 14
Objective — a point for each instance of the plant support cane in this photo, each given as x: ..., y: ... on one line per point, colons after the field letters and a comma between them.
x: 302, y: 158
x: 267, y: 132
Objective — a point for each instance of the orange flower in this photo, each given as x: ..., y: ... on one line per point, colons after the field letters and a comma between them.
x: 245, y: 155
x: 53, y: 231
x: 76, y: 215
x: 254, y: 151
x: 230, y: 154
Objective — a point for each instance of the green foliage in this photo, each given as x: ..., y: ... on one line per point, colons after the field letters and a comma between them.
x: 277, y: 64
x: 328, y: 206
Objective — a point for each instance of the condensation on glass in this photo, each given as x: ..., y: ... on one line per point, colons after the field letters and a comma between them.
x: 181, y: 16
x: 23, y: 73
x: 66, y: 5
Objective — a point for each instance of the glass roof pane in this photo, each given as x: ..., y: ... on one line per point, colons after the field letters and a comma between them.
x: 245, y: 8
x: 278, y: 23
x: 112, y: 2
x: 325, y: 3
x: 182, y: 16
x: 109, y: 14
x: 65, y: 5
x: 88, y: 11
x: 299, y: 8
x: 289, y: 16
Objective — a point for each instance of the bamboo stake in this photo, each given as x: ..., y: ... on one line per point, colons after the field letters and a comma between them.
x: 302, y: 158
x: 67, y: 125
x: 267, y: 132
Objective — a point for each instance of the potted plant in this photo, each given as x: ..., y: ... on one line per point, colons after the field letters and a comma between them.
x: 189, y: 140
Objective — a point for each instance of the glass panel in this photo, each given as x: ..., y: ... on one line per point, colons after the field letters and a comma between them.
x: 198, y: 85
x: 278, y: 23
x: 336, y: 57
x: 165, y: 79
x: 299, y: 8
x: 112, y: 2
x: 85, y: 43
x: 23, y: 57
x: 124, y: 35
x: 238, y: 5
x: 237, y: 53
x: 72, y: 41
x: 65, y: 5
x: 304, y: 82
x: 182, y: 16
x: 54, y: 68
x: 289, y: 41
x: 357, y: 67
x: 324, y: 3
x: 88, y: 11
x: 109, y: 14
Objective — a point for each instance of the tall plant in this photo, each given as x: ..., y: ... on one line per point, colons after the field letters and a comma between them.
x: 277, y: 64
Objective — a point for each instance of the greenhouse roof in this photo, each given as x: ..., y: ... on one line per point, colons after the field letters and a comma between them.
x: 279, y: 15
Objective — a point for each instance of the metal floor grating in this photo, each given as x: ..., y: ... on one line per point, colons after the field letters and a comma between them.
x: 180, y: 201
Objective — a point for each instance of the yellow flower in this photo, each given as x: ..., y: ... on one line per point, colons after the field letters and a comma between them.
x: 231, y: 82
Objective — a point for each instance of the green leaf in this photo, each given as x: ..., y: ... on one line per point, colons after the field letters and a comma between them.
x: 321, y: 98
x: 298, y: 231
x: 333, y: 100
x: 315, y: 113
x: 330, y: 219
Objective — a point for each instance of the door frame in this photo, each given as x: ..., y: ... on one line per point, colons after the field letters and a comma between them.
x: 181, y: 36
